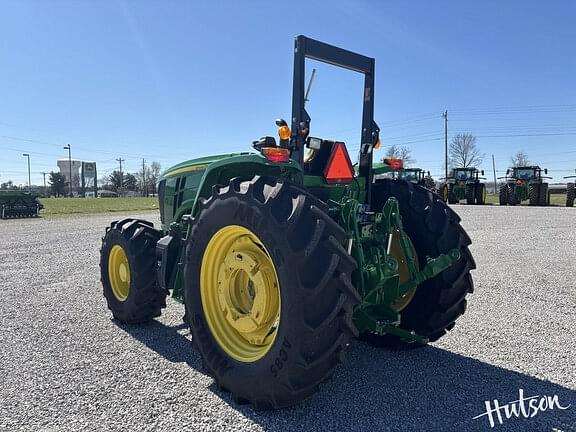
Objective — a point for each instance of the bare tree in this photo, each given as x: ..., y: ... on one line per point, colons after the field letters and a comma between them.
x: 153, y: 176
x: 520, y: 159
x: 400, y: 152
x: 464, y: 151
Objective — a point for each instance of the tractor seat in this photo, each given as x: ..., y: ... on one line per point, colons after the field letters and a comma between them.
x: 315, y: 161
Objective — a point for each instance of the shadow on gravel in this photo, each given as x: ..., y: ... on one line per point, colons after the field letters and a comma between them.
x: 165, y: 340
x: 428, y: 389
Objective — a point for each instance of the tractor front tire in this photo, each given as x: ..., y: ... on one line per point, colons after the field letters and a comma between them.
x: 434, y: 229
x: 279, y: 240
x: 481, y: 194
x: 570, y: 195
x: 470, y: 194
x: 503, y: 195
x: 534, y: 193
x: 128, y: 271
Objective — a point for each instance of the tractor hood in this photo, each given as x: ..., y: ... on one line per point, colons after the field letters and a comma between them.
x: 198, y: 164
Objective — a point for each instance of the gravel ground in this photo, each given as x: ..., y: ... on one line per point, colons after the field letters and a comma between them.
x: 66, y: 366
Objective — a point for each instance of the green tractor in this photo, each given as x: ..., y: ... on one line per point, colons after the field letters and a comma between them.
x: 525, y: 183
x: 464, y: 183
x: 414, y: 175
x: 18, y: 204
x: 283, y: 255
x: 570, y: 192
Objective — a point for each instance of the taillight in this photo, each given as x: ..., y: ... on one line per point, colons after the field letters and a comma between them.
x: 276, y: 154
x: 339, y: 168
x: 394, y: 163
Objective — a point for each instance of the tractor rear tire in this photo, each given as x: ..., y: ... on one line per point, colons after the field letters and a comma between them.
x: 512, y: 198
x: 570, y: 195
x: 303, y: 245
x: 534, y: 193
x: 543, y: 195
x: 452, y: 198
x: 503, y: 195
x: 481, y: 194
x: 434, y: 229
x: 128, y: 271
x: 470, y: 194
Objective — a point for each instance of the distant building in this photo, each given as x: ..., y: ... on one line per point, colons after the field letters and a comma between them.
x: 64, y: 166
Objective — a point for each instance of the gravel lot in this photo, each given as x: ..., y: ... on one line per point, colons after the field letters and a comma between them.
x: 66, y: 366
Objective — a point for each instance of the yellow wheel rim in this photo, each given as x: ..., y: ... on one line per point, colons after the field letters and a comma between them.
x: 240, y: 293
x: 445, y: 193
x: 403, y: 270
x: 119, y: 272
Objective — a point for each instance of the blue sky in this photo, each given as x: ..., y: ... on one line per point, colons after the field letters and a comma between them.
x: 173, y: 80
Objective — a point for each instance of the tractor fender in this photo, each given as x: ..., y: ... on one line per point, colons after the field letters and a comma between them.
x: 244, y: 166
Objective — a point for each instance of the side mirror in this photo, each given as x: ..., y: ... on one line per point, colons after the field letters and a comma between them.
x: 507, y: 171
x: 482, y: 172
x: 545, y: 170
x: 428, y: 173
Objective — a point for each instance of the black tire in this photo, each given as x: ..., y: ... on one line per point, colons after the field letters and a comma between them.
x: 481, y: 194
x: 534, y: 194
x: 512, y: 198
x: 316, y: 316
x: 503, y: 195
x: 543, y: 195
x: 470, y: 193
x: 146, y: 298
x: 570, y: 195
x: 452, y: 199
x: 434, y: 228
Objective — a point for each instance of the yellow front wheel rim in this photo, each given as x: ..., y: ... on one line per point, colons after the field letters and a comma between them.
x: 240, y: 293
x: 403, y: 269
x: 445, y: 193
x: 119, y: 272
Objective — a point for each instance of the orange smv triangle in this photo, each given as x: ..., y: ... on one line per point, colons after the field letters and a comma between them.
x: 339, y: 168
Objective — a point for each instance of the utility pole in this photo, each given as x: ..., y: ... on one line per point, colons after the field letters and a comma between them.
x: 69, y: 148
x: 120, y: 160
x: 44, y: 174
x: 144, y: 186
x: 445, y: 115
x: 494, y: 169
x: 29, y: 183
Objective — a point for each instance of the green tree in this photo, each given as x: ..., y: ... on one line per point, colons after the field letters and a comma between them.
x: 115, y: 180
x: 130, y: 182
x: 8, y: 185
x: 57, y: 183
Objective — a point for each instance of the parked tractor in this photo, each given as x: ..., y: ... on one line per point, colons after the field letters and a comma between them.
x: 464, y: 183
x: 414, y: 175
x: 284, y: 254
x: 18, y: 204
x: 570, y: 192
x: 525, y: 183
